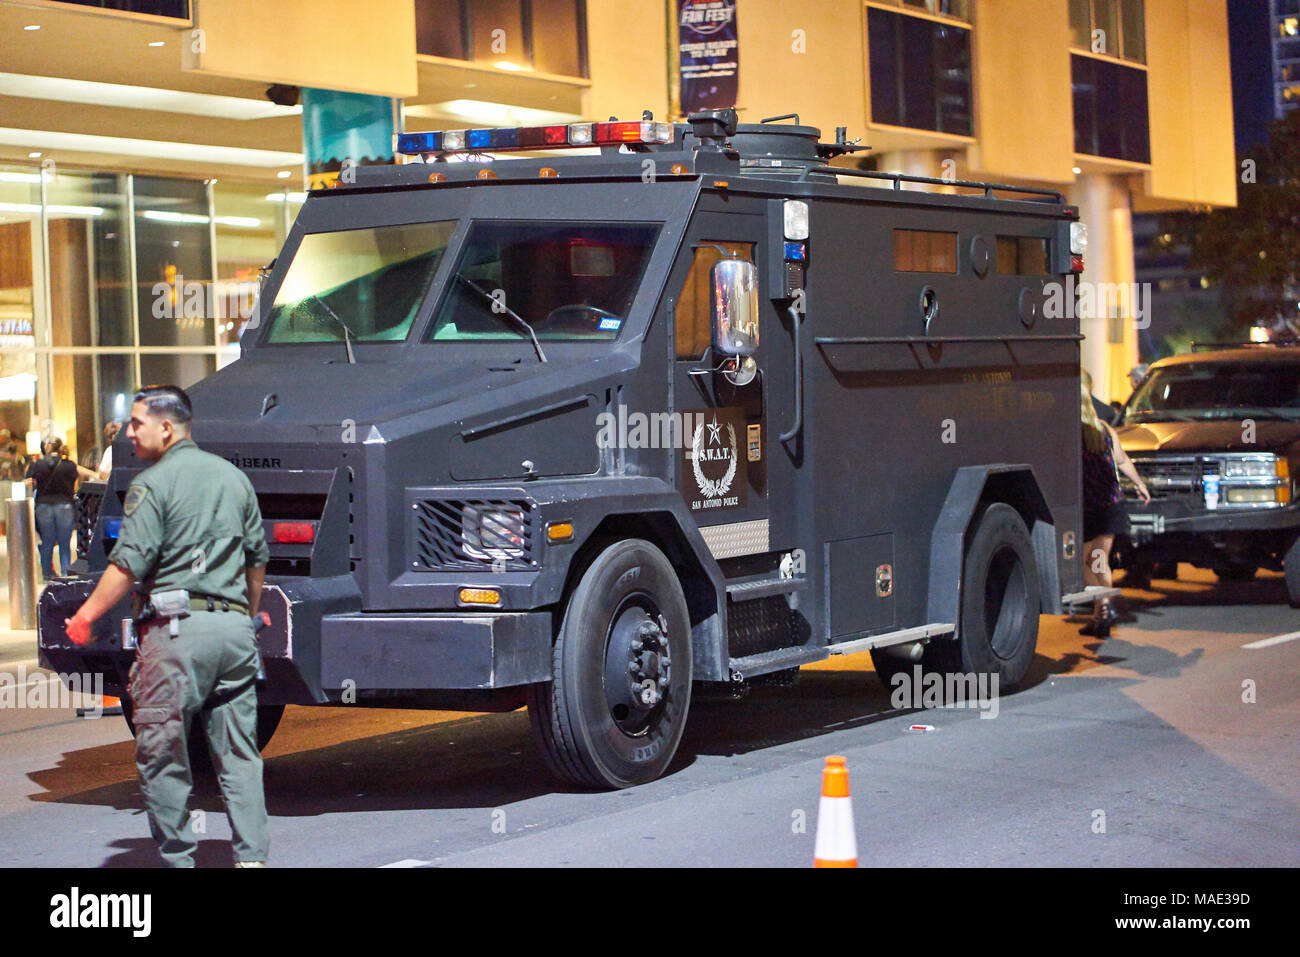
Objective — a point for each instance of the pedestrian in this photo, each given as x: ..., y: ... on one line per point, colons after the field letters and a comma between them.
x: 54, y: 478
x: 192, y: 537
x: 106, y: 460
x: 1104, y: 516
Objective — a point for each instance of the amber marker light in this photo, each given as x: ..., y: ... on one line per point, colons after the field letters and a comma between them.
x: 547, y: 173
x: 479, y: 596
x: 437, y: 177
x: 486, y: 174
x: 720, y: 183
x: 559, y: 532
x: 678, y: 169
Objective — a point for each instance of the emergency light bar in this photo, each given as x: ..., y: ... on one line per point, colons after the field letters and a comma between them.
x: 635, y: 132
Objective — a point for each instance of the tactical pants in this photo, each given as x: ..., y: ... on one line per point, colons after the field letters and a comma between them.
x: 209, y: 669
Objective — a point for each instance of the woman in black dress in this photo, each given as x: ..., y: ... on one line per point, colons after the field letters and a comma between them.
x: 1103, y: 503
x: 54, y: 477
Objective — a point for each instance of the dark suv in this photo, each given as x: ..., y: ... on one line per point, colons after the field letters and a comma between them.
x: 1216, y: 437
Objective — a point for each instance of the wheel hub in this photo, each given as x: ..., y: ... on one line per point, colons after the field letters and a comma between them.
x: 638, y: 667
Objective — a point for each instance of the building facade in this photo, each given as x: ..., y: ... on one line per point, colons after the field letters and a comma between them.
x: 151, y: 154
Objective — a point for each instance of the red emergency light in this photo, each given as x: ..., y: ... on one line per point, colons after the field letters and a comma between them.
x: 555, y: 136
x: 293, y: 533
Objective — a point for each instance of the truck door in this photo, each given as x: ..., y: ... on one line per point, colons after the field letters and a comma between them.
x: 736, y: 479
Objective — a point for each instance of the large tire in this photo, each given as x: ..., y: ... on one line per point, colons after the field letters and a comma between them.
x: 1000, y: 600
x: 1236, y: 571
x: 1291, y: 567
x: 268, y: 719
x: 591, y: 727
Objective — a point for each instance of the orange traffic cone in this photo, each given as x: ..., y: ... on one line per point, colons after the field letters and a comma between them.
x: 836, y: 844
x: 108, y: 706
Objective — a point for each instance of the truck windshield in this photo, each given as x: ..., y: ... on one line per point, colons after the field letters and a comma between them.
x: 367, y: 283
x: 568, y: 281
x: 1210, y: 390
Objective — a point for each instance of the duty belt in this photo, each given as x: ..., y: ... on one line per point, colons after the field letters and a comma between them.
x: 197, y: 602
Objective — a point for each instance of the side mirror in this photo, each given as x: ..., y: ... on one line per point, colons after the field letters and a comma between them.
x: 735, y: 307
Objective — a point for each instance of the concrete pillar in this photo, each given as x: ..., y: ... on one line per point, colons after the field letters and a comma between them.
x: 1105, y: 207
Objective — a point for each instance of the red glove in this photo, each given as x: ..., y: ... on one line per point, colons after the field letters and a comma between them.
x: 78, y: 630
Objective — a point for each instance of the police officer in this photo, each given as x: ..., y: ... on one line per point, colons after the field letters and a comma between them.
x: 190, y: 522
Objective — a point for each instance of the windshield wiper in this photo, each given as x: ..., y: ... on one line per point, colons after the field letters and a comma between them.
x: 348, y: 334
x: 507, y: 310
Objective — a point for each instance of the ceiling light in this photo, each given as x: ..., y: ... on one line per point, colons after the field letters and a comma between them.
x: 35, y: 156
x: 291, y: 196
x: 32, y: 26
x: 157, y: 43
x: 1076, y: 170
x: 507, y: 65
x: 153, y: 149
x: 141, y: 97
x: 284, y: 174
x: 167, y: 216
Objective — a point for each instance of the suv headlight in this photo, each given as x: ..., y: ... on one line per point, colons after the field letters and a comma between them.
x: 488, y: 533
x: 1250, y: 468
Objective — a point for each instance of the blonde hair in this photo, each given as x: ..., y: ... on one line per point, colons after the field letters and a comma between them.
x: 1094, y: 433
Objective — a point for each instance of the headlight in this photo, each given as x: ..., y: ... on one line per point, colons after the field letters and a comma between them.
x: 492, y: 533
x: 1250, y: 468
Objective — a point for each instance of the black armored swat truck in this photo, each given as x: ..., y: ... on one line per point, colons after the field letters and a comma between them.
x: 583, y: 432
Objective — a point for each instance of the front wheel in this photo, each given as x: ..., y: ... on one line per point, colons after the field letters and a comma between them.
x: 614, y: 712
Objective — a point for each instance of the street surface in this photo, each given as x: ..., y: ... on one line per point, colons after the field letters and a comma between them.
x: 1134, y: 751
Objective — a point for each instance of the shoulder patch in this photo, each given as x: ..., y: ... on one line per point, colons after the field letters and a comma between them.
x: 134, y: 496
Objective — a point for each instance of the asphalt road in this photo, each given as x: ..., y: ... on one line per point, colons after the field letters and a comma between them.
x: 1139, y: 750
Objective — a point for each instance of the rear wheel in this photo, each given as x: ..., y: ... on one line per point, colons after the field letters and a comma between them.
x: 614, y: 713
x: 1291, y: 566
x: 1236, y: 571
x: 999, y: 604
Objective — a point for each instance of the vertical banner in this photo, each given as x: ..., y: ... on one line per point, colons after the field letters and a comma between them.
x: 341, y: 131
x: 708, y: 55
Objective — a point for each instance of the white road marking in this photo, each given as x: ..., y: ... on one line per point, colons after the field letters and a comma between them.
x: 407, y: 862
x: 1275, y: 640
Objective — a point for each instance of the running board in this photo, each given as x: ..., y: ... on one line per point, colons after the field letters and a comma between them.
x: 778, y: 660
x: 919, y: 633
x: 763, y: 587
x: 1090, y: 594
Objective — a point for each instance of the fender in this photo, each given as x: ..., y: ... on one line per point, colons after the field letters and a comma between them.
x: 1018, y: 487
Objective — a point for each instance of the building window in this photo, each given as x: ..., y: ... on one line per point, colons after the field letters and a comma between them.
x: 177, y: 9
x: 920, y: 72
x: 549, y: 36
x: 957, y: 9
x: 1110, y: 110
x: 923, y: 250
x: 1115, y: 28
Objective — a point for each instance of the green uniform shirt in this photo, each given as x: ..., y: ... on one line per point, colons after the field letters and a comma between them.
x: 191, y: 521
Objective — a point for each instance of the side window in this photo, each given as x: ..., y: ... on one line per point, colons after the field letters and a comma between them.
x: 1022, y: 256
x: 924, y: 250
x: 693, y: 312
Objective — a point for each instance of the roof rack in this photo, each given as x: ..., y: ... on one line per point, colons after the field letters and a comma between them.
x: 900, y: 178
x: 1245, y: 345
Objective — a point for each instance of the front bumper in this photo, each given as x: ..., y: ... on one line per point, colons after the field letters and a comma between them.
x: 1167, y: 516
x: 320, y: 645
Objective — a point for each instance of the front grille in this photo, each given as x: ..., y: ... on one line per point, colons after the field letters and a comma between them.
x: 1173, y: 477
x: 494, y: 534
